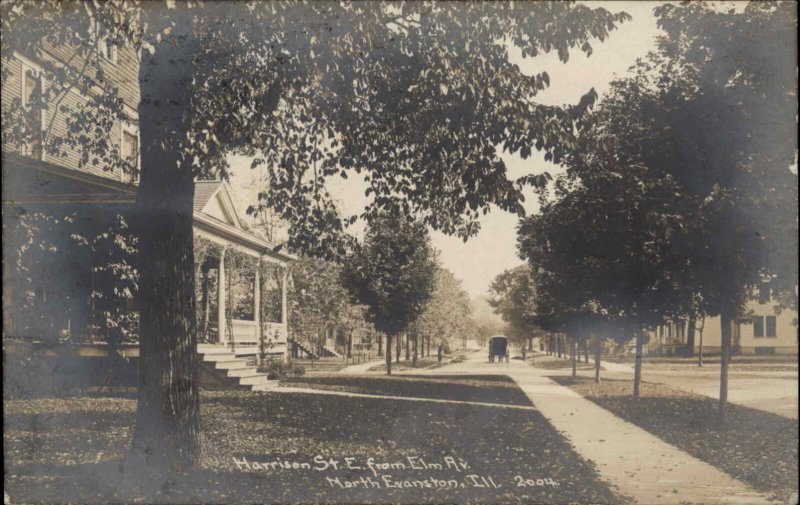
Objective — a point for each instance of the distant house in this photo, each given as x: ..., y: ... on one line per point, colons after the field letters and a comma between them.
x: 57, y: 206
x: 763, y: 331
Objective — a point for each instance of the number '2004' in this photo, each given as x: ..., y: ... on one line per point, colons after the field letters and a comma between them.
x: 534, y: 482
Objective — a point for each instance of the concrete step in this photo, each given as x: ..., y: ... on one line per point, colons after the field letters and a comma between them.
x: 244, y: 372
x: 212, y: 357
x: 211, y: 347
x: 236, y: 364
x: 253, y: 380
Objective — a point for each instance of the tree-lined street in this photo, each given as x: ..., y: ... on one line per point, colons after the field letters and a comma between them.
x: 637, y: 463
x: 230, y: 273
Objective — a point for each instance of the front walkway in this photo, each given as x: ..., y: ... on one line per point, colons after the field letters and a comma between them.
x: 632, y: 460
x: 361, y: 367
x: 350, y: 394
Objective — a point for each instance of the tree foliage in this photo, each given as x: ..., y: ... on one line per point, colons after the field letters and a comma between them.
x: 392, y: 272
x: 447, y: 314
x: 680, y: 195
x: 414, y: 97
x: 513, y: 297
x: 730, y: 104
x: 100, y: 260
x: 391, y: 93
x: 319, y: 301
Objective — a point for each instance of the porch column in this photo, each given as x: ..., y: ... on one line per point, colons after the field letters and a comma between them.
x: 221, y: 321
x: 257, y: 305
x: 206, y: 307
x: 284, y: 301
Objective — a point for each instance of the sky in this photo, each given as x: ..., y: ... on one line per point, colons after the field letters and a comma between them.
x: 493, y: 250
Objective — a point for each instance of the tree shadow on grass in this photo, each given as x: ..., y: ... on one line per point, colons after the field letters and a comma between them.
x: 67, y: 430
x: 494, y: 442
x: 757, y: 447
x: 474, y: 388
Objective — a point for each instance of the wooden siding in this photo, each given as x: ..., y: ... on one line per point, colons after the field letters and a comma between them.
x: 55, y: 121
x: 124, y: 74
x: 12, y: 88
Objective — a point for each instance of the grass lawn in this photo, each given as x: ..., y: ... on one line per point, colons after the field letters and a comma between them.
x: 779, y: 363
x: 479, y: 388
x: 427, y: 362
x: 406, y: 365
x: 555, y: 363
x: 69, y: 449
x: 757, y: 447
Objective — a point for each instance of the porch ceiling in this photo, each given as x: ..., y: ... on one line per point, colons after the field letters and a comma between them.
x: 28, y: 181
x: 31, y: 182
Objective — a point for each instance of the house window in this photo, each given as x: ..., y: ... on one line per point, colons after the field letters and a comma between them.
x: 105, y: 46
x: 772, y: 330
x: 129, y: 150
x: 765, y: 326
x: 758, y: 327
x: 32, y: 92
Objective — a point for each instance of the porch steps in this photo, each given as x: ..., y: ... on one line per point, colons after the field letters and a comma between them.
x: 305, y: 347
x: 223, y: 368
x: 330, y: 352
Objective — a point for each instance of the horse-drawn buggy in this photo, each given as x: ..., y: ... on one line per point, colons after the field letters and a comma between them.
x: 498, y: 349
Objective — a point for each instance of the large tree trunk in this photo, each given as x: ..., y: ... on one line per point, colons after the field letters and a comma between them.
x: 585, y: 343
x: 167, y: 423
x: 597, y: 352
x: 637, y: 369
x: 700, y: 350
x: 416, y: 338
x: 690, y: 332
x: 726, y: 321
x: 574, y: 357
x: 388, y: 355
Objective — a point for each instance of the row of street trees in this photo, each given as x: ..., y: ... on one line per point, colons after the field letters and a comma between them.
x: 392, y: 271
x: 447, y: 319
x: 681, y: 194
x: 391, y: 284
x: 512, y: 294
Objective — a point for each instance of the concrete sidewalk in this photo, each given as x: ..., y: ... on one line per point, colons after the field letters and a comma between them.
x: 633, y: 461
x: 361, y: 367
x: 639, y: 464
